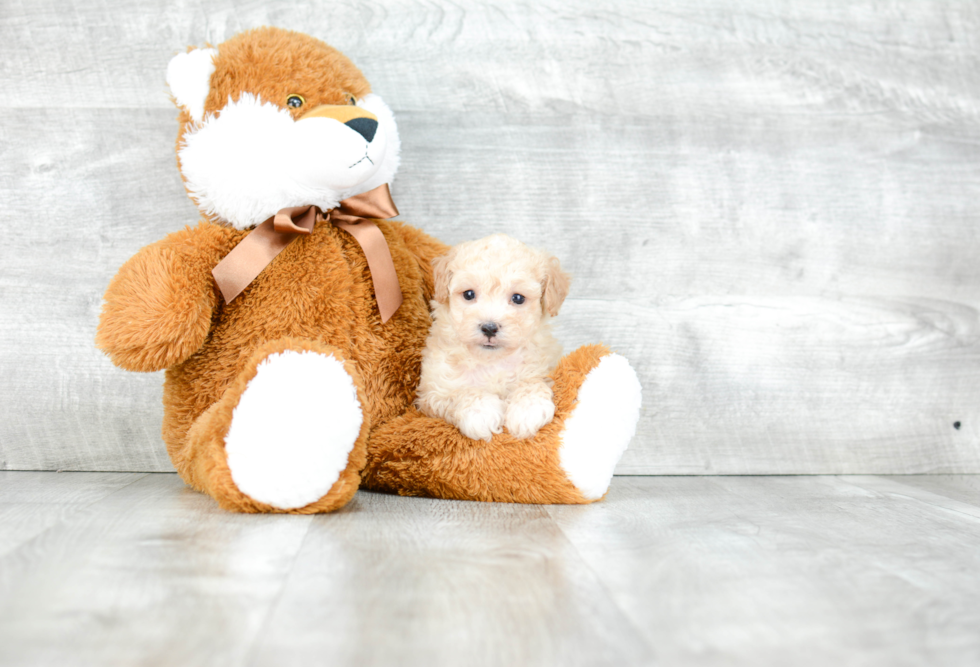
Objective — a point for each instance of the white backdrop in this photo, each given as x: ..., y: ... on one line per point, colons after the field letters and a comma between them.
x: 770, y: 208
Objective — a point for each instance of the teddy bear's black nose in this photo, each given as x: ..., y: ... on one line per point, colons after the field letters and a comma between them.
x: 489, y: 329
x: 366, y: 127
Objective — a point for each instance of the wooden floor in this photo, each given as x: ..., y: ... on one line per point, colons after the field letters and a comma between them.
x: 136, y: 569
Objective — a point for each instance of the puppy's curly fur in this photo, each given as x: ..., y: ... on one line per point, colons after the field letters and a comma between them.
x: 490, y: 350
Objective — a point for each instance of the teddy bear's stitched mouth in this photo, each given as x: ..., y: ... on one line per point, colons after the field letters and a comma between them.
x: 366, y: 157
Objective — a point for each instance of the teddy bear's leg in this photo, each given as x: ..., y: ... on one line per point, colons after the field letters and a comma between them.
x: 570, y: 460
x: 288, y: 435
x: 600, y: 422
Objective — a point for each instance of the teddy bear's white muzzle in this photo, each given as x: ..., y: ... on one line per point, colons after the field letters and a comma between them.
x: 253, y: 159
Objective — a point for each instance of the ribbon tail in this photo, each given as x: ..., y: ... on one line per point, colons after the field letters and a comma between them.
x: 247, y: 259
x: 386, y: 288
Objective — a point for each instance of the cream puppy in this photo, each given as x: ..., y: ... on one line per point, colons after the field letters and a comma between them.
x: 490, y: 350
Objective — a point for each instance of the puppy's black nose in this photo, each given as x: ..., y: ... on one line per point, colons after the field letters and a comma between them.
x: 489, y: 329
x: 366, y: 127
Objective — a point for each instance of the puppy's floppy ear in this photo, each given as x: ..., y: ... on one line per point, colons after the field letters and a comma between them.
x: 554, y: 287
x: 442, y: 275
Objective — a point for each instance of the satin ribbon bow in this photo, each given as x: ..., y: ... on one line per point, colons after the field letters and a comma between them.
x: 247, y: 260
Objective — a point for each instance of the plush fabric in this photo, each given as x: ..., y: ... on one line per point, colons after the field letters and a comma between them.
x: 163, y: 311
x: 415, y: 455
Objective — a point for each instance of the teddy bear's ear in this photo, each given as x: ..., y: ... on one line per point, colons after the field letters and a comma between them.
x: 442, y: 276
x: 189, y: 78
x: 554, y: 287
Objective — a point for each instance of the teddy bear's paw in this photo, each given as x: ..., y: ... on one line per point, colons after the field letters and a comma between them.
x: 528, y: 413
x: 601, y: 425
x: 481, y: 418
x: 293, y: 429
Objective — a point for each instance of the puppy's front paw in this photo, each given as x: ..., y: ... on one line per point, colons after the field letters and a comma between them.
x: 526, y: 415
x: 482, y: 418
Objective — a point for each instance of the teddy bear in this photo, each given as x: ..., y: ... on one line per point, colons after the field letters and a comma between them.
x: 290, y: 320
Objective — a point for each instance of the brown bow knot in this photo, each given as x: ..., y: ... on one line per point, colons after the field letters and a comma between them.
x: 354, y: 215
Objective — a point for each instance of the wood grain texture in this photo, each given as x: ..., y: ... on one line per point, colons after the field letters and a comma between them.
x: 33, y: 502
x: 787, y: 571
x: 803, y: 571
x: 84, y: 188
x: 437, y: 582
x: 153, y: 574
x: 963, y: 488
x: 769, y: 208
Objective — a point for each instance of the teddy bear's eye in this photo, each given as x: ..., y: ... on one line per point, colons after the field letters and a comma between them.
x: 518, y: 299
x: 295, y: 101
x: 350, y: 99
x: 469, y: 295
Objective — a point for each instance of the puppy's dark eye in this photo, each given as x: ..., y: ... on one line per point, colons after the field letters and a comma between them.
x: 295, y: 101
x: 350, y: 99
x: 469, y: 295
x: 518, y: 299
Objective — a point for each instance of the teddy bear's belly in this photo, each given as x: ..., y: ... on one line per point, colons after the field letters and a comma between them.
x: 319, y: 289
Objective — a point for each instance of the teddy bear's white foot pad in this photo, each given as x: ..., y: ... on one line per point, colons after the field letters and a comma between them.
x: 293, y: 429
x: 601, y: 425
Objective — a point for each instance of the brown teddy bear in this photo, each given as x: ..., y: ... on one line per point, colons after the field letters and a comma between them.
x: 292, y: 318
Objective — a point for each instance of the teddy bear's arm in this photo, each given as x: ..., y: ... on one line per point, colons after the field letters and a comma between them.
x: 158, y: 308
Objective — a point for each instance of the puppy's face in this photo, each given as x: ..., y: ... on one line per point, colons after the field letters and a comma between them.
x: 497, y: 292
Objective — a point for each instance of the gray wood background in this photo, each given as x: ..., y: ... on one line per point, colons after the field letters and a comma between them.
x: 770, y: 208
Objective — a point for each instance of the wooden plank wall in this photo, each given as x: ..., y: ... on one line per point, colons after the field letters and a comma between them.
x: 769, y: 208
